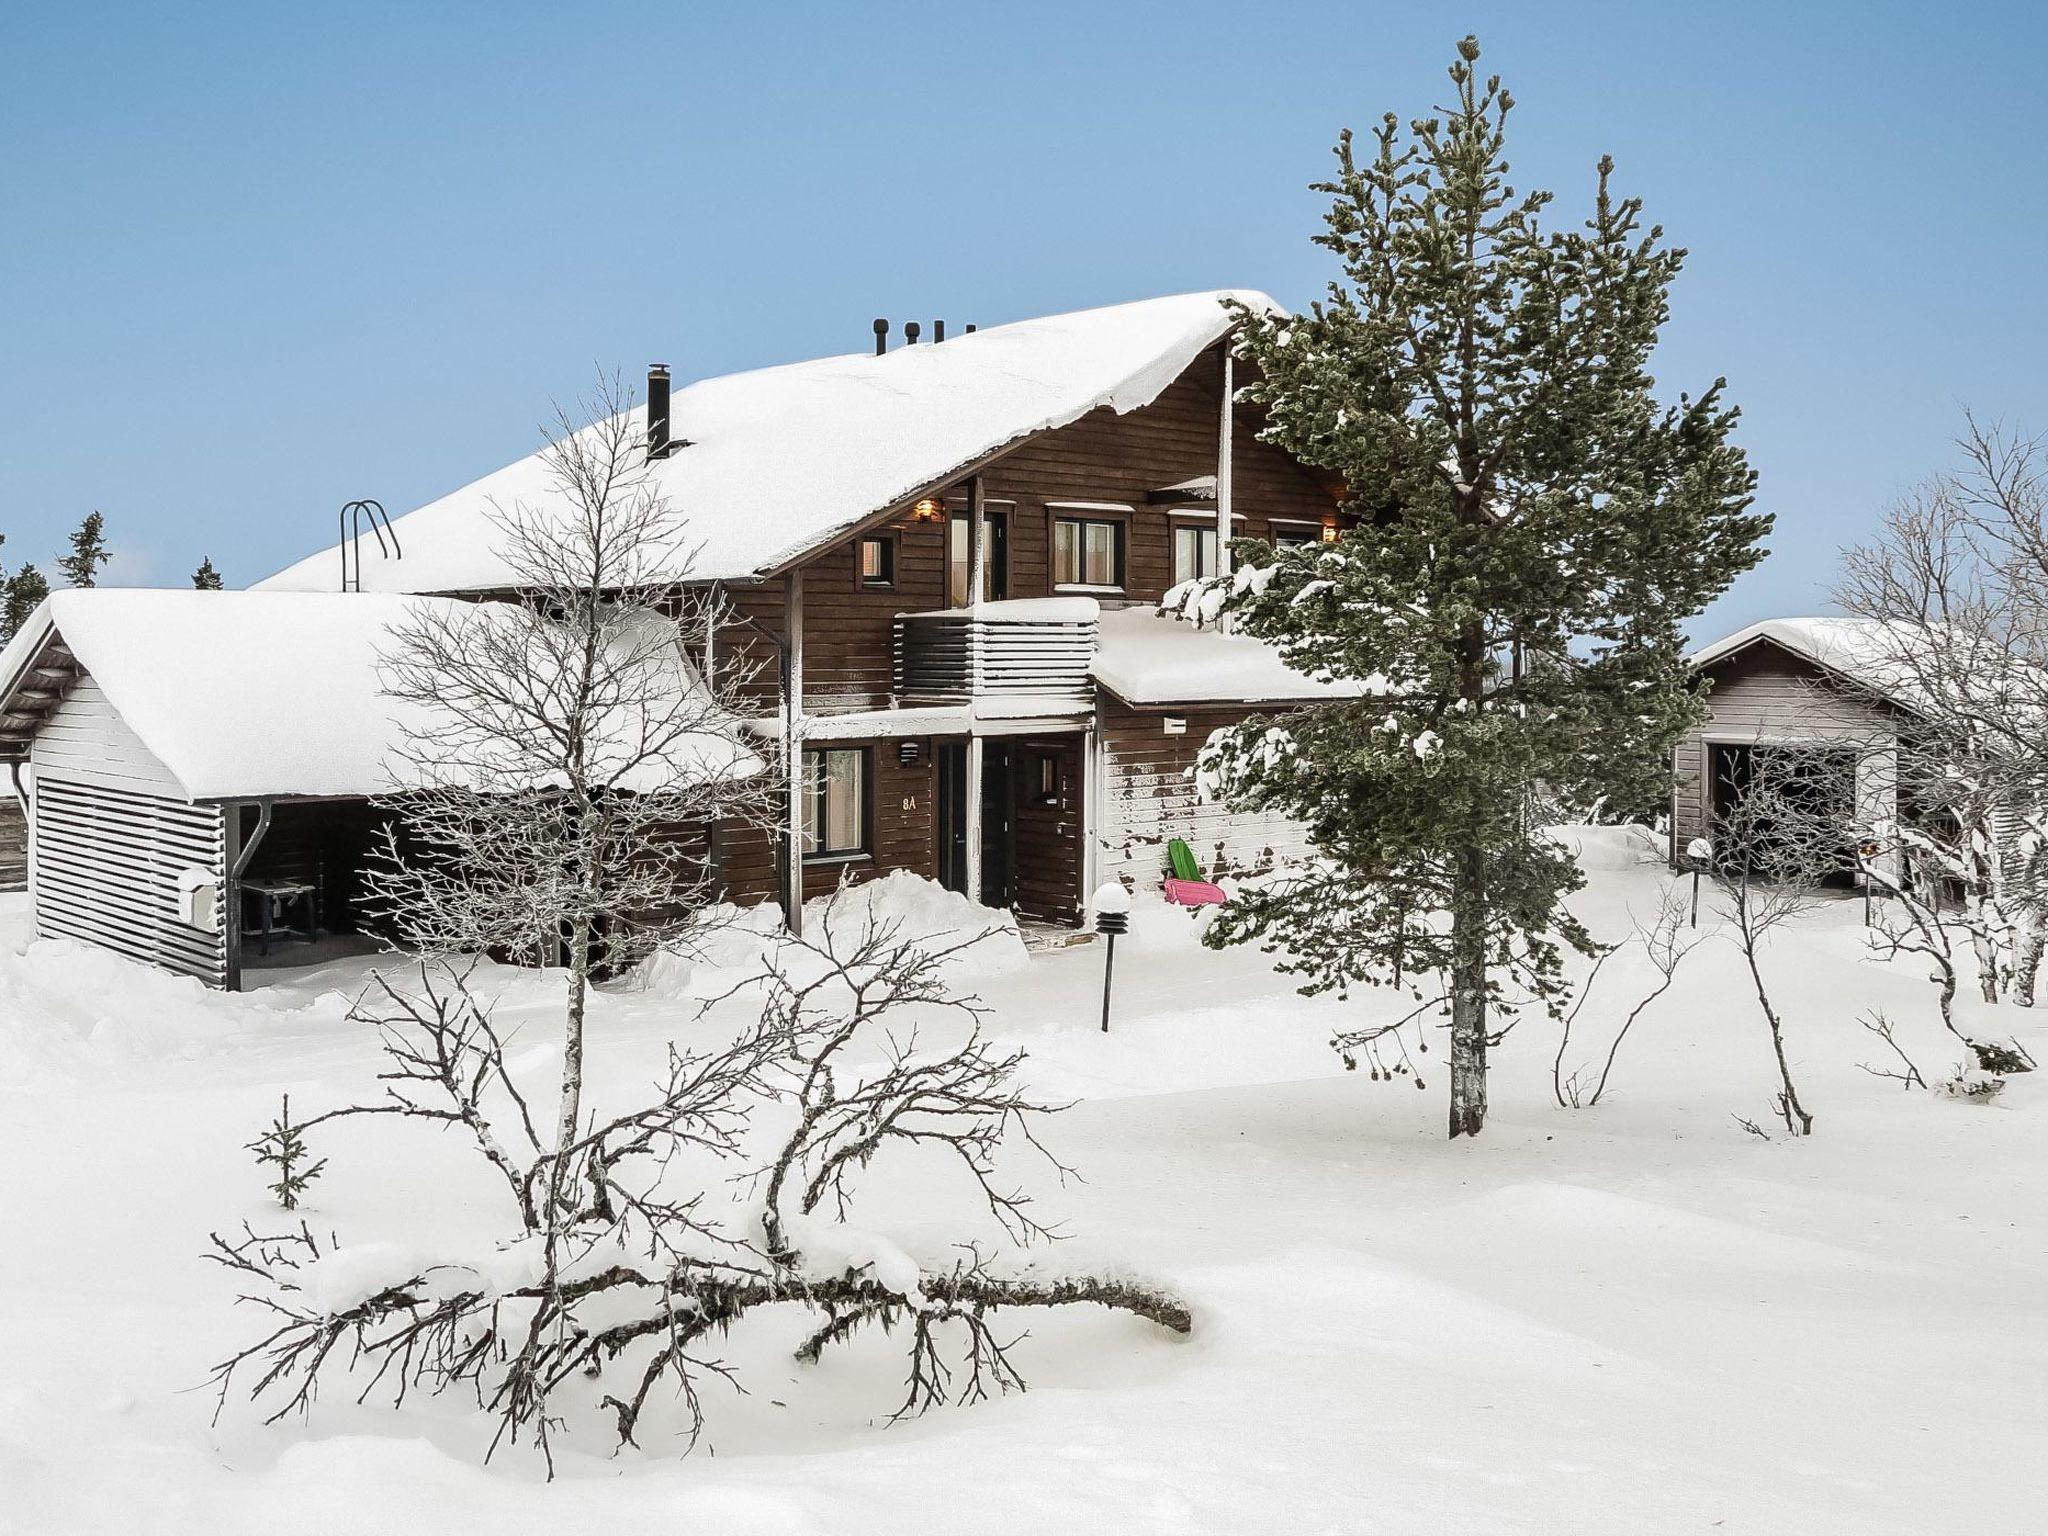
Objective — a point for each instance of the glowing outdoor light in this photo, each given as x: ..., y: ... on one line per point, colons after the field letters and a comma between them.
x: 1329, y: 533
x: 927, y: 510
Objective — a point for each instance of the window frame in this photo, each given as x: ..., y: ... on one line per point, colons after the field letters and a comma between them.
x: 1201, y: 530
x: 1296, y: 531
x: 814, y: 852
x: 886, y: 582
x: 1045, y: 762
x: 1085, y: 518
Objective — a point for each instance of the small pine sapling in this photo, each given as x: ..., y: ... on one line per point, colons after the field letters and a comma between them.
x: 283, y: 1147
x: 206, y: 578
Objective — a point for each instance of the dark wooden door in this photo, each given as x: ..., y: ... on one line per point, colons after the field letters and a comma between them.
x: 952, y: 814
x: 998, y: 825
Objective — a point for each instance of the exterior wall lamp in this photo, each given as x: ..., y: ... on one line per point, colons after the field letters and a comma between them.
x: 927, y: 510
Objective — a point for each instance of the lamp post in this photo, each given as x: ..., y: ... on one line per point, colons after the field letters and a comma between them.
x: 1699, y: 853
x: 1112, y: 905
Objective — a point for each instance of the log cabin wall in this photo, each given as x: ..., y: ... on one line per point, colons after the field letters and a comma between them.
x: 1103, y: 457
x: 1148, y: 799
x: 902, y: 831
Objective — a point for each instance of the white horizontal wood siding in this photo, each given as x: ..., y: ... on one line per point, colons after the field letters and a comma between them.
x: 86, y: 740
x: 1766, y: 695
x: 104, y: 863
x: 1145, y: 799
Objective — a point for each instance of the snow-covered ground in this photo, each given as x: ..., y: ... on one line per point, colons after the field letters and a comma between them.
x: 1635, y: 1318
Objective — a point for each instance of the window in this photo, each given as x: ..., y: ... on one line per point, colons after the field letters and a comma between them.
x: 1194, y: 552
x: 836, y: 803
x: 878, y: 561
x: 994, y: 558
x: 1296, y: 535
x: 1045, y: 779
x: 1087, y: 553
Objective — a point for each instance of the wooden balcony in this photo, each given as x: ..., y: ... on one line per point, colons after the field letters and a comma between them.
x: 1035, y: 648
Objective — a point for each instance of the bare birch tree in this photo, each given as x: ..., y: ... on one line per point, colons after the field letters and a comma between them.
x: 564, y: 748
x: 1956, y: 591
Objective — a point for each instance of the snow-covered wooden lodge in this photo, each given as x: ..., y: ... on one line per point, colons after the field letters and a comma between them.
x: 951, y: 551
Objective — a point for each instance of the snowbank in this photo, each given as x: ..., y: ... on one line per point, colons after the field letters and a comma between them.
x: 1615, y: 847
x: 734, y: 944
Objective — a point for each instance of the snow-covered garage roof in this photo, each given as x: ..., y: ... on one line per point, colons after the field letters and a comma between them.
x: 783, y: 459
x: 1862, y: 651
x: 243, y: 695
x: 1146, y: 659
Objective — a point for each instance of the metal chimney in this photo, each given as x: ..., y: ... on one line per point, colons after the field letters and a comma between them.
x: 881, y: 336
x: 658, y: 444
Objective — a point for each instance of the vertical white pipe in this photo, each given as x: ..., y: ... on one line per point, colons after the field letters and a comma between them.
x: 971, y: 795
x: 1223, y: 462
x: 793, y: 752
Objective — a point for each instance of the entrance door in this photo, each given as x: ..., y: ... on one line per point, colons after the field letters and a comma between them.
x: 953, y: 816
x: 998, y: 825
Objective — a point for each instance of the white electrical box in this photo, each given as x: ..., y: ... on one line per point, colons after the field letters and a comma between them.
x: 199, y: 899
x: 1176, y: 725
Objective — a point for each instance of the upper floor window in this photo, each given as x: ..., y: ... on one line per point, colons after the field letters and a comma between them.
x: 1088, y: 552
x: 836, y: 803
x: 878, y: 561
x: 995, y: 558
x: 1194, y: 551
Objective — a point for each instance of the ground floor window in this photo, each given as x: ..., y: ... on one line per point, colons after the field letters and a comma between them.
x: 1295, y: 535
x: 1194, y: 552
x: 836, y: 802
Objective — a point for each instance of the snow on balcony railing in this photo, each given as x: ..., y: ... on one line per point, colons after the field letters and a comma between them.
x: 1040, y: 647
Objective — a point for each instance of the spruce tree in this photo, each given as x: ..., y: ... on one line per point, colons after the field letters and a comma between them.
x: 25, y: 589
x: 88, y: 552
x: 1533, y: 529
x: 206, y: 578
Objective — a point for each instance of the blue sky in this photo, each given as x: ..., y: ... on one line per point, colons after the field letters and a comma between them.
x: 256, y: 260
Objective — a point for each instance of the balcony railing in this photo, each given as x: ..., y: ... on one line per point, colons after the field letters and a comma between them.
x: 1036, y: 648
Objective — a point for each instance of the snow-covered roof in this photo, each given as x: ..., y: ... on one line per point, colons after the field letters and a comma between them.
x: 1145, y: 658
x: 1860, y: 650
x: 242, y: 695
x: 780, y: 460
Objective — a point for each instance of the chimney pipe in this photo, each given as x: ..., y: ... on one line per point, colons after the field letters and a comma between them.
x: 938, y: 332
x: 910, y: 332
x: 658, y: 444
x: 970, y: 329
x: 881, y: 336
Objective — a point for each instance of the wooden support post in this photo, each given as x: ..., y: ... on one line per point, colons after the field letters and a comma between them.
x: 977, y: 543
x: 793, y: 750
x: 1223, y: 434
x: 971, y: 794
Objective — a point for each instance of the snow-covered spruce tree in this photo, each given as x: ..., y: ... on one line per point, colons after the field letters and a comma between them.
x: 206, y: 578
x: 1533, y: 528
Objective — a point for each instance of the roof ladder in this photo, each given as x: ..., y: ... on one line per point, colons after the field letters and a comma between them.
x: 353, y: 515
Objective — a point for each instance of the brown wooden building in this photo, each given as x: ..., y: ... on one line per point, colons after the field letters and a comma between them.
x: 939, y: 568
x: 941, y: 548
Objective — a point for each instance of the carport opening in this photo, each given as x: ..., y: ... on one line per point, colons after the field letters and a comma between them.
x: 1818, y: 784
x: 305, y: 883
